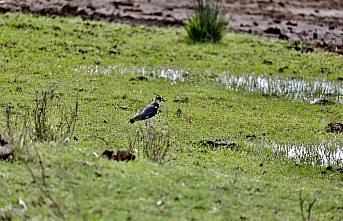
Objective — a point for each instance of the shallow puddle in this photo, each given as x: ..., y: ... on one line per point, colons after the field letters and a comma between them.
x: 289, y: 87
x: 328, y: 153
x: 296, y: 89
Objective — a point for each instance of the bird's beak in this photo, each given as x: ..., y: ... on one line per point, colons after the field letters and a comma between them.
x: 163, y: 100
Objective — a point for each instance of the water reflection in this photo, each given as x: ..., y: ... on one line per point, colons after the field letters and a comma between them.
x: 289, y: 87
x: 322, y: 154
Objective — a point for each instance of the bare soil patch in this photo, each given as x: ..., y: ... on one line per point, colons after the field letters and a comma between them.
x: 120, y: 155
x: 335, y: 127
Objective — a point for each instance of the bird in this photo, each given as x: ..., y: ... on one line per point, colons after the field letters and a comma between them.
x: 148, y: 111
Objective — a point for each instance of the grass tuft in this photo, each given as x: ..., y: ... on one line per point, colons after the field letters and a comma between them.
x: 152, y: 141
x: 48, y: 126
x: 206, y: 25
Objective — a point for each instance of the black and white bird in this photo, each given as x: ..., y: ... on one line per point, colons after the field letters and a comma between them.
x: 148, y: 111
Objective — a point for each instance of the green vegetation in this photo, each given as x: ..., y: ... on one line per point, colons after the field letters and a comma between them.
x: 152, y: 141
x: 195, y: 182
x: 206, y: 25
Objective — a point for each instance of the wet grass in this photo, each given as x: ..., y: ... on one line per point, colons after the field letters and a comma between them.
x: 194, y: 182
x: 291, y: 88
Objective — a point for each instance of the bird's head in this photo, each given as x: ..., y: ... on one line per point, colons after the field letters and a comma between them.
x: 159, y: 98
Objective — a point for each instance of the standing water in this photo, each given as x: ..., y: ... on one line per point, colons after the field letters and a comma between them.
x: 289, y: 87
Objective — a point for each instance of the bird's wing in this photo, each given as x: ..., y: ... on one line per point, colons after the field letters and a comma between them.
x: 149, y: 111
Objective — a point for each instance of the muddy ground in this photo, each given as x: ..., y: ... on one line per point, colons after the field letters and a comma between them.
x: 316, y: 22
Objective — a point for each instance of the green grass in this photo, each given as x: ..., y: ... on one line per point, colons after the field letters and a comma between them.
x: 195, y: 183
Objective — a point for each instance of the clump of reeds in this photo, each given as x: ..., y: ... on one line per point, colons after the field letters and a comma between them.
x: 152, y: 141
x: 207, y: 24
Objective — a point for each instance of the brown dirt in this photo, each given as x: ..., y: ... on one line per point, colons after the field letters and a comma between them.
x: 335, y: 127
x: 322, y: 101
x: 139, y: 78
x: 3, y: 142
x: 120, y: 155
x: 6, y: 150
x: 316, y: 22
x: 218, y: 143
x: 6, y: 153
x: 181, y: 99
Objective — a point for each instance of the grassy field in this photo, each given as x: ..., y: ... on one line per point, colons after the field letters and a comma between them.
x: 194, y: 182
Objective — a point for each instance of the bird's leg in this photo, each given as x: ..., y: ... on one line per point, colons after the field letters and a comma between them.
x: 149, y: 122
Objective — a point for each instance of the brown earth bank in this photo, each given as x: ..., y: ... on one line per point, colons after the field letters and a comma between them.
x: 316, y: 22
